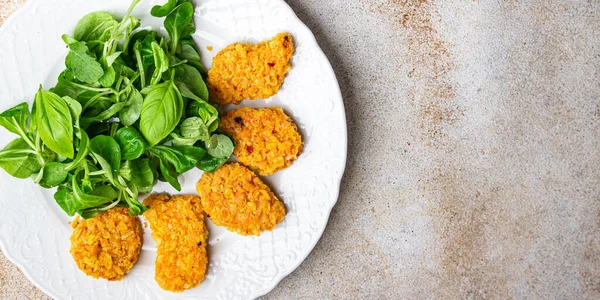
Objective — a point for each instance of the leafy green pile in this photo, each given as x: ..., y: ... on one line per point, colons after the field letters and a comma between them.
x: 130, y: 108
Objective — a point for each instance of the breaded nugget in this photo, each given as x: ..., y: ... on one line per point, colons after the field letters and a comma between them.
x: 180, y: 233
x: 243, y: 70
x: 107, y: 245
x: 267, y: 140
x: 234, y: 197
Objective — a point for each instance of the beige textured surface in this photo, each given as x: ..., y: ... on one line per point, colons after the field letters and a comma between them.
x: 474, y: 152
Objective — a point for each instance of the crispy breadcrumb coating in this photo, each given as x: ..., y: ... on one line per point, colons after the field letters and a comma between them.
x: 267, y: 140
x: 234, y: 197
x: 181, y: 235
x: 243, y: 70
x: 107, y: 245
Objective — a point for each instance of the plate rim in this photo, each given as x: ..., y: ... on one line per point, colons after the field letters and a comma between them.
x: 337, y: 184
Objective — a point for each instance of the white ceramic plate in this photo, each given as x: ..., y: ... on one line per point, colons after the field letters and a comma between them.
x: 34, y: 233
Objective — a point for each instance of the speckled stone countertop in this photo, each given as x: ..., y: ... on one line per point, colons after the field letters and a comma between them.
x: 473, y: 158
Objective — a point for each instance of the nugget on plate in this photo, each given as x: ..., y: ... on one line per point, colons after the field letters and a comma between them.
x: 234, y: 197
x: 107, y: 245
x: 243, y: 70
x: 267, y: 140
x: 181, y: 235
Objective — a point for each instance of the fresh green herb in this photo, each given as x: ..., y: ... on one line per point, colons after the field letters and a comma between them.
x: 53, y: 174
x: 54, y: 122
x: 18, y: 160
x: 129, y: 109
x: 191, y: 78
x: 93, y: 26
x: 106, y: 149
x: 219, y: 146
x: 15, y: 119
x: 161, y: 111
x: 83, y: 64
x: 163, y: 10
x: 131, y: 142
x: 133, y: 107
x: 210, y: 164
x: 179, y: 23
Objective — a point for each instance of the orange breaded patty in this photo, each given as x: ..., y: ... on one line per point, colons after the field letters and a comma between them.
x: 180, y: 233
x: 267, y: 140
x: 107, y: 245
x: 243, y: 70
x: 234, y: 197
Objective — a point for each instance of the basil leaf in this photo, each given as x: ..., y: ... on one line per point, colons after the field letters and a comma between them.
x: 74, y: 107
x: 161, y: 112
x: 131, y: 142
x: 54, y: 173
x: 92, y: 26
x: 15, y: 119
x: 82, y: 64
x: 132, y: 109
x: 54, y: 122
x: 192, y: 79
x: 107, y: 148
x: 220, y: 146
x: 18, y: 160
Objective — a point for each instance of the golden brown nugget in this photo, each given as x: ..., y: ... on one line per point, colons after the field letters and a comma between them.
x: 234, y: 197
x: 267, y: 140
x: 180, y: 233
x: 107, y: 245
x: 243, y: 70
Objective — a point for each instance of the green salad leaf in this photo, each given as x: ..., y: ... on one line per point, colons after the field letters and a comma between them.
x: 131, y: 142
x: 83, y: 64
x: 54, y: 122
x: 93, y: 26
x: 130, y: 108
x: 161, y: 111
x: 18, y: 160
